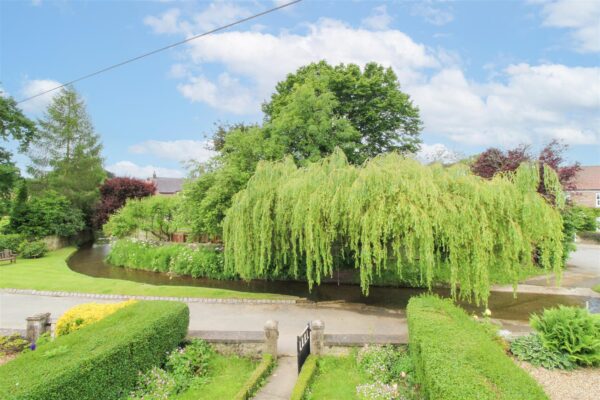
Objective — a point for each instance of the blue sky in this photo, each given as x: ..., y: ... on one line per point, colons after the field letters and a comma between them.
x: 483, y: 73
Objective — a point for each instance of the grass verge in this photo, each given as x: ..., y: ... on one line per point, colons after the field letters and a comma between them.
x: 337, y: 378
x: 597, y: 288
x: 52, y: 273
x: 305, y: 378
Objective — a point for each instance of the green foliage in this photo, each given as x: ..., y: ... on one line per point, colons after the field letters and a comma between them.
x: 594, y: 236
x: 258, y: 377
x: 185, y: 363
x: 154, y: 384
x: 66, y: 155
x: 455, y: 358
x: 309, y: 369
x: 382, y: 363
x: 49, y: 214
x: 202, y: 262
x: 572, y: 331
x: 12, y: 344
x: 157, y: 215
x: 34, y: 249
x: 530, y: 348
x: 105, y: 356
x: 370, y: 100
x: 588, y: 220
x: 11, y: 242
x: 392, y: 214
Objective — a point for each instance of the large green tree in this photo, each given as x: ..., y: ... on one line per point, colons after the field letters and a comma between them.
x: 15, y: 126
x: 66, y: 157
x: 370, y: 99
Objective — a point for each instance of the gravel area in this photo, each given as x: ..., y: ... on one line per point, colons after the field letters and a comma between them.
x: 580, y: 384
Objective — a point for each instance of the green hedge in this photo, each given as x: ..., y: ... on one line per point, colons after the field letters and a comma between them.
x: 262, y: 371
x: 11, y: 242
x: 100, y: 361
x: 456, y: 359
x: 203, y: 262
x: 305, y: 378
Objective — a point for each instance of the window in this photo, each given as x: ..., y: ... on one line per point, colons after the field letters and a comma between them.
x: 597, y: 199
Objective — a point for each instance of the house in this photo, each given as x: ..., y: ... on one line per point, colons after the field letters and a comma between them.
x: 586, y: 190
x: 167, y: 186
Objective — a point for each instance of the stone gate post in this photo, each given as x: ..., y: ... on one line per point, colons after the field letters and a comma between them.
x: 37, y: 325
x: 317, y: 337
x: 271, y: 337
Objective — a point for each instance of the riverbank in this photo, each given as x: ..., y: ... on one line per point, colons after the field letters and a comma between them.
x: 51, y: 273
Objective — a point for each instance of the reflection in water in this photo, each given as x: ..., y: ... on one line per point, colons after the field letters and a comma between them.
x: 90, y: 261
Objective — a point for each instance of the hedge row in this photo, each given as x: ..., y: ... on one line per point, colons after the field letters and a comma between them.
x: 100, y: 361
x: 456, y: 358
x: 305, y: 378
x: 203, y: 262
x: 262, y: 371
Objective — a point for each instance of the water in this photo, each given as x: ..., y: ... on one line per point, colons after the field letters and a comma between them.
x: 90, y: 261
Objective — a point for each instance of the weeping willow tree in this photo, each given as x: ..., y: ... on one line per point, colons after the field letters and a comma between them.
x: 393, y: 213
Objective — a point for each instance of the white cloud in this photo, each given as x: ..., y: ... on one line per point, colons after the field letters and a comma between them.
x: 582, y: 17
x: 437, y: 152
x: 32, y: 87
x: 177, y: 150
x: 534, y: 104
x: 226, y: 93
x: 378, y: 20
x: 130, y: 169
x: 214, y: 15
x: 435, y: 15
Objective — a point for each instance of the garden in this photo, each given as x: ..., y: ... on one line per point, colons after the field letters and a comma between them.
x: 129, y: 350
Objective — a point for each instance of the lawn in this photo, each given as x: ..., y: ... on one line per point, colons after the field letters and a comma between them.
x: 337, y: 378
x: 597, y: 288
x: 226, y: 377
x: 52, y: 273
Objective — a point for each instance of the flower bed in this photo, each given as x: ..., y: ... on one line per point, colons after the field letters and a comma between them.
x: 201, y: 262
x: 100, y: 361
x: 456, y: 358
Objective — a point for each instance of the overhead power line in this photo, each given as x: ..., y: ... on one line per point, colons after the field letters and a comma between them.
x: 240, y: 21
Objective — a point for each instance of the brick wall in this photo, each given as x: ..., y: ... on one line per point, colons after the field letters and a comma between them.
x: 584, y: 198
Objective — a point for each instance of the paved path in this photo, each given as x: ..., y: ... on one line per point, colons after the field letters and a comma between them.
x: 292, y: 318
x: 280, y: 384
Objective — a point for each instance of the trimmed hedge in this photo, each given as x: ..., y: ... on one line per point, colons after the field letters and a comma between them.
x: 262, y: 371
x: 305, y: 378
x: 100, y: 361
x: 456, y: 359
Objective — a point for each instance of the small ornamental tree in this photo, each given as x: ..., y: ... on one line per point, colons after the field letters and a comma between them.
x: 114, y: 193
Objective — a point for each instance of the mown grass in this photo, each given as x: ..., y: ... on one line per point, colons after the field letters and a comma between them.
x: 337, y: 378
x: 596, y: 288
x: 52, y: 273
x: 226, y: 377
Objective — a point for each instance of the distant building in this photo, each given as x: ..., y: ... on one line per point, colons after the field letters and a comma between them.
x: 586, y: 190
x: 167, y: 186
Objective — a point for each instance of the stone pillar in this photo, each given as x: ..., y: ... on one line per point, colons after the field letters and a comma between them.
x: 317, y: 337
x: 37, y: 325
x: 271, y: 336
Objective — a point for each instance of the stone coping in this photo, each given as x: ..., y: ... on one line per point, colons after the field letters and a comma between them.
x: 135, y: 297
x: 228, y: 336
x: 357, y: 340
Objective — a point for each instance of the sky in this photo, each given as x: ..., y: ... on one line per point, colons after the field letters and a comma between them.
x: 483, y: 73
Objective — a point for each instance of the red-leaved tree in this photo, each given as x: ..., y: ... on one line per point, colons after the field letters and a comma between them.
x: 493, y: 161
x: 114, y: 193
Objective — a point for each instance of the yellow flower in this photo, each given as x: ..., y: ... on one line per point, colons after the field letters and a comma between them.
x: 84, y: 314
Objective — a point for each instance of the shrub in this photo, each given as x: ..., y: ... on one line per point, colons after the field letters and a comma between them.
x: 184, y: 363
x: 35, y: 249
x: 12, y: 344
x: 84, y: 314
x: 573, y: 331
x: 456, y: 359
x: 100, y: 361
x: 257, y: 378
x: 11, y: 242
x: 530, y: 348
x: 153, y: 384
x: 381, y: 363
x: 114, y: 193
x: 309, y: 369
x: 204, y: 261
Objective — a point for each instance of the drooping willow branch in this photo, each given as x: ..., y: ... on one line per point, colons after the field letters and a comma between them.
x: 392, y: 212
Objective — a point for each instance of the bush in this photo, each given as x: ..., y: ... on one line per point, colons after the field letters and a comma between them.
x: 35, y: 249
x: 380, y: 363
x: 530, y: 348
x: 187, y: 362
x: 11, y: 242
x: 573, y: 331
x: 309, y: 369
x: 455, y: 358
x: 100, y: 361
x: 257, y: 378
x: 205, y: 262
x: 12, y: 344
x: 84, y: 314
